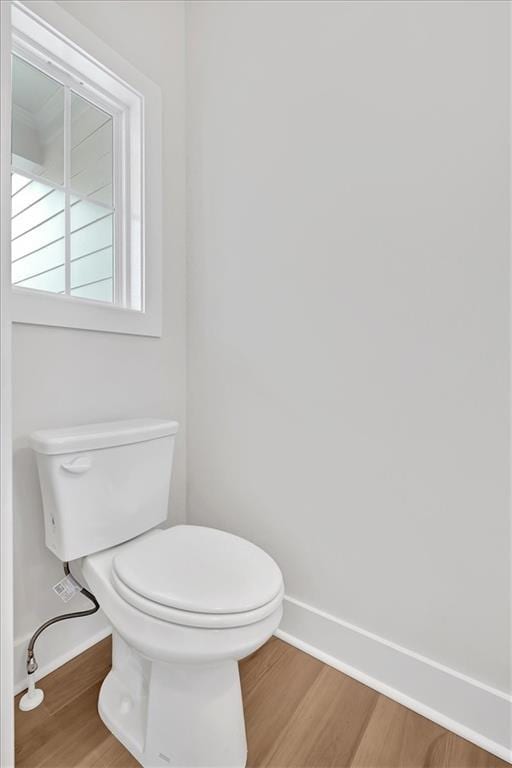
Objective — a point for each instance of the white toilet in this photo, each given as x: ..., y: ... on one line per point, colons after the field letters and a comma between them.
x: 185, y: 603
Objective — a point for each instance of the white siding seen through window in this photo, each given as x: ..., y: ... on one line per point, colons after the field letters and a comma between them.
x: 62, y: 189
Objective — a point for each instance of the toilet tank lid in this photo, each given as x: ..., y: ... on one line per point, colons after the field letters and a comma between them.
x: 109, y: 434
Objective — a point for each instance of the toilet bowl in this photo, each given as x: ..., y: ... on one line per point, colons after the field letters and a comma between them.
x: 185, y: 603
x: 173, y: 696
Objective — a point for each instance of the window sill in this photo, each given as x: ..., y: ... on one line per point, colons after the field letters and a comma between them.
x: 40, y: 308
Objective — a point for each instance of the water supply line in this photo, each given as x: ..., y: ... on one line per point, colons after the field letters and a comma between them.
x: 34, y: 696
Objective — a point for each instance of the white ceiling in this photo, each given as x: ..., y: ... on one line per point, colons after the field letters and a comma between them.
x: 31, y: 88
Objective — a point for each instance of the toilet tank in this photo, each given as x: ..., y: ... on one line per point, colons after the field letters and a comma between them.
x: 103, y: 484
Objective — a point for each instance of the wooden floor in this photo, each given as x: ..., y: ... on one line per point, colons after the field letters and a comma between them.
x: 299, y: 712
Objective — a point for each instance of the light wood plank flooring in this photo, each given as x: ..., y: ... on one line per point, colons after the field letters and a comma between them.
x: 299, y: 712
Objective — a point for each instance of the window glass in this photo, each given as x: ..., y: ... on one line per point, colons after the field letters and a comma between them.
x: 92, y: 267
x: 62, y: 215
x: 91, y: 150
x: 37, y: 122
x: 37, y: 232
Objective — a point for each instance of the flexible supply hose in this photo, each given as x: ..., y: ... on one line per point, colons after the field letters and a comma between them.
x: 31, y: 659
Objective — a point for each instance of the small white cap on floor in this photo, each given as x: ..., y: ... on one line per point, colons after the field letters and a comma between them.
x: 33, y: 697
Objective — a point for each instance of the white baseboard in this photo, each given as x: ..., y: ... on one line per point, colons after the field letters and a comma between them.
x: 471, y: 709
x: 58, y: 645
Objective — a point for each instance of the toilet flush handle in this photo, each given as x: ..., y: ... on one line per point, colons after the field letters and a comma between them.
x: 77, y: 466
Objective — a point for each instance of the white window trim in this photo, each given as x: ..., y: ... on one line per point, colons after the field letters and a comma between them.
x: 64, y: 39
x: 6, y: 514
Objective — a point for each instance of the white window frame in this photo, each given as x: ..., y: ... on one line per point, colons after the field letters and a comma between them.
x: 135, y: 104
x: 122, y: 295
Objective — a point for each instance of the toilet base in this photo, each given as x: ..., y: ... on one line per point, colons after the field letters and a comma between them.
x: 180, y: 715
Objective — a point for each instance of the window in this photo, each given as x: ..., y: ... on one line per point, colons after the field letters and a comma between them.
x: 79, y: 238
x: 63, y: 213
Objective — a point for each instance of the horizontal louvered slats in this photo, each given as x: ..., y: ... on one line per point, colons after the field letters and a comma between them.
x: 92, y: 237
x: 18, y: 183
x: 40, y: 211
x: 100, y: 290
x: 90, y: 268
x: 52, y: 255
x: 38, y: 240
x: 50, y: 280
x: 38, y: 236
x: 29, y: 192
x: 84, y: 212
x: 63, y: 235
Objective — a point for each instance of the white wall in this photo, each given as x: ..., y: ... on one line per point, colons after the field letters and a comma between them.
x: 348, y: 310
x: 348, y: 307
x: 62, y: 377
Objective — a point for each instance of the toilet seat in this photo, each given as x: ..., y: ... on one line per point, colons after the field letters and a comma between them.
x: 198, y: 577
x: 192, y: 618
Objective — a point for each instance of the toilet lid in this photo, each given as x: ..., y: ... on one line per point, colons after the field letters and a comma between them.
x: 192, y: 568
